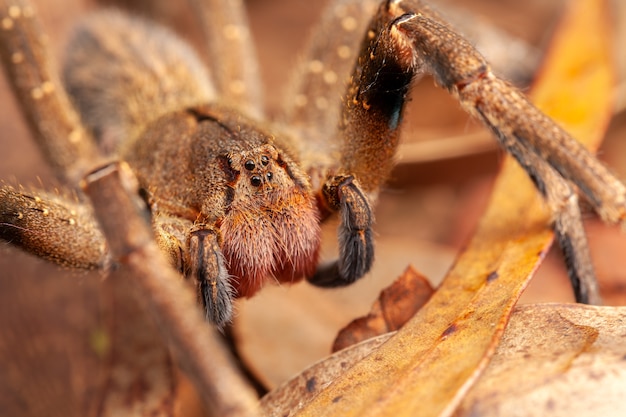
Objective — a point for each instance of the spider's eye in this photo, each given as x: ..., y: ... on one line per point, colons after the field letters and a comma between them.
x: 265, y: 160
x: 256, y: 180
x: 269, y: 176
x: 249, y: 165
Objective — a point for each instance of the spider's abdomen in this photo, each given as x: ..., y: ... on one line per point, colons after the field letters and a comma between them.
x: 125, y: 72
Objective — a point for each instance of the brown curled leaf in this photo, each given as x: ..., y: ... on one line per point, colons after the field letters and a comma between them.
x: 395, y: 305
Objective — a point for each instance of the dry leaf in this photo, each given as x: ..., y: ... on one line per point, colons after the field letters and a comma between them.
x: 60, y: 359
x: 395, y: 305
x: 283, y: 330
x: 554, y: 359
x: 48, y: 365
x: 289, y: 396
x: 429, y: 365
x: 140, y: 377
x: 48, y: 394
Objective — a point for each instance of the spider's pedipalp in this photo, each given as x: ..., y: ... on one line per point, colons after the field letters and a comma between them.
x: 356, y: 246
x: 370, y: 120
x: 206, y: 265
x: 197, y: 351
x: 355, y: 233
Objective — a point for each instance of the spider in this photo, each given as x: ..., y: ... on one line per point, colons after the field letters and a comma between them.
x: 236, y: 198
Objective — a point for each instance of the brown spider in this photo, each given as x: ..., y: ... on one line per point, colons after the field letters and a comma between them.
x: 236, y: 200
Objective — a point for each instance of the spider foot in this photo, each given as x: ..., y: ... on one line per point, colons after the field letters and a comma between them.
x: 581, y: 273
x: 562, y: 200
x: 356, y: 248
x: 207, y: 266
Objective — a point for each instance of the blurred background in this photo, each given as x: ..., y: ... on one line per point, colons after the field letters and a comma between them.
x: 425, y: 214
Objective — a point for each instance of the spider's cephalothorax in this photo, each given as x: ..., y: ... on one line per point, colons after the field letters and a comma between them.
x: 236, y: 183
x: 236, y: 199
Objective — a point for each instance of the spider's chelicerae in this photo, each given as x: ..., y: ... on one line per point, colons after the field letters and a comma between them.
x: 236, y: 199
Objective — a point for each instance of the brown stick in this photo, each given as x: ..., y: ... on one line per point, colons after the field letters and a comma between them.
x: 193, y: 341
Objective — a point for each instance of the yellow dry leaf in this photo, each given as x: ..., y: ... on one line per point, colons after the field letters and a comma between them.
x: 556, y: 360
x: 430, y: 364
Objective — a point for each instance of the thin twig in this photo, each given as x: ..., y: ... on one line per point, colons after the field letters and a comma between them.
x: 193, y: 341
